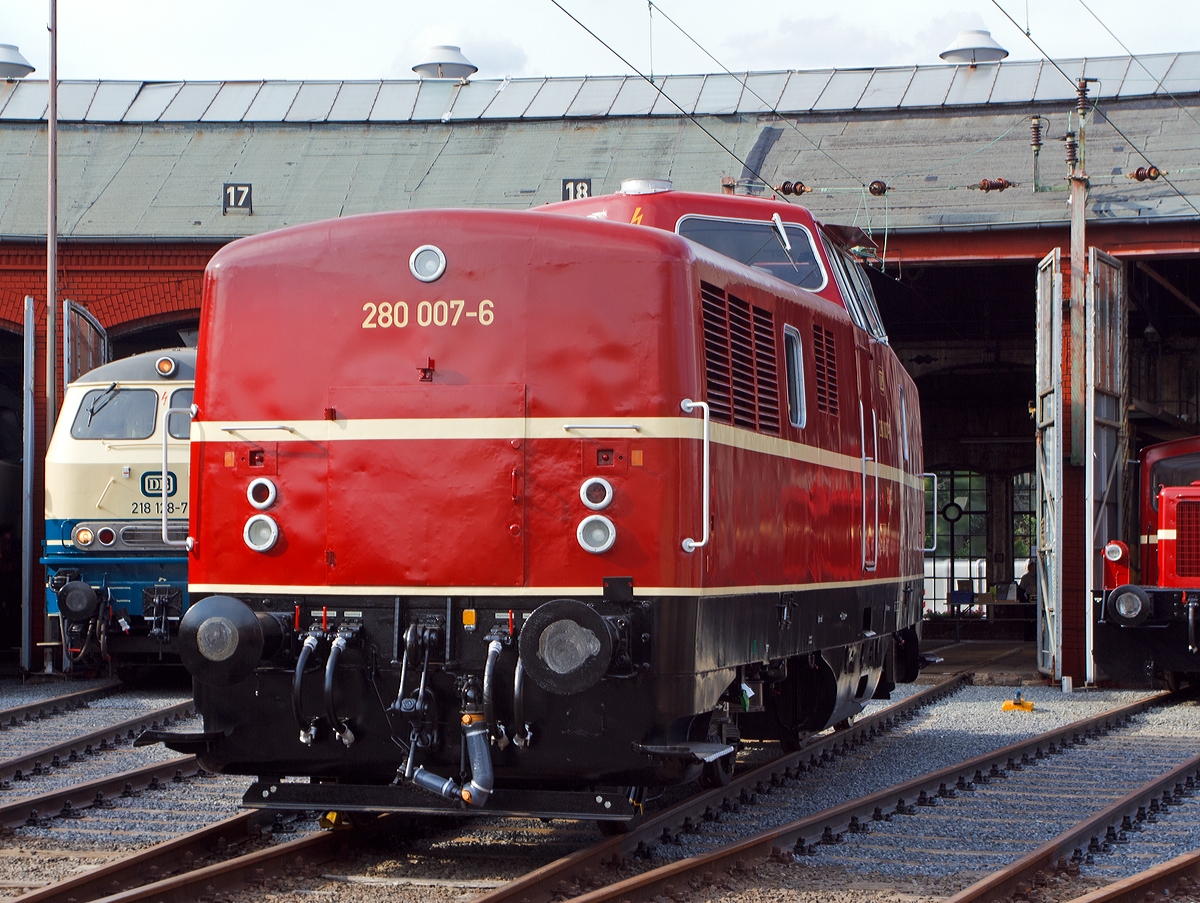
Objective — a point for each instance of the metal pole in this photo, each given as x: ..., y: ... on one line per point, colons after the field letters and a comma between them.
x: 52, y: 229
x: 27, y: 461
x: 66, y: 343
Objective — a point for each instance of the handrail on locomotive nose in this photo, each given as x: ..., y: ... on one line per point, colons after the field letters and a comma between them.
x: 164, y: 477
x: 690, y: 545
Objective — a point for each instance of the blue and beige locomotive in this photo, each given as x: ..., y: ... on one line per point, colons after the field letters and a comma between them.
x: 116, y: 567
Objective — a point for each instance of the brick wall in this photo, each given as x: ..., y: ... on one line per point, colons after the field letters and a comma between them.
x: 126, y: 286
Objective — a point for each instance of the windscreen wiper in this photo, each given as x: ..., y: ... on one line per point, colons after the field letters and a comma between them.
x: 783, y: 238
x: 100, y: 401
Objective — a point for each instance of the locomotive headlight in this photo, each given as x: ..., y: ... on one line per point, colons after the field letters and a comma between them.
x: 261, y: 493
x: 596, y: 534
x: 83, y: 536
x: 166, y: 367
x: 261, y: 533
x: 427, y: 263
x: 217, y: 639
x: 1113, y: 551
x: 1128, y: 605
x: 596, y: 493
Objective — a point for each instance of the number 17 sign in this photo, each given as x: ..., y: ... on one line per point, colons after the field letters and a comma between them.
x: 236, y: 197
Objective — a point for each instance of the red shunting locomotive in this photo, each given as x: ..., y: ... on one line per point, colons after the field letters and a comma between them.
x: 1148, y: 631
x: 528, y: 509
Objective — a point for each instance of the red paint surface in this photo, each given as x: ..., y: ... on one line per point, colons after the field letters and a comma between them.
x: 1148, y: 520
x: 592, y: 319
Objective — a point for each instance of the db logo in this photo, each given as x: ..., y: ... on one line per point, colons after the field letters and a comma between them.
x: 152, y: 484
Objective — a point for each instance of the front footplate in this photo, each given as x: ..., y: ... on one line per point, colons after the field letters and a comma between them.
x: 610, y: 804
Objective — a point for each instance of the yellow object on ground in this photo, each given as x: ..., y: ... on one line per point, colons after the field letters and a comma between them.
x: 1017, y: 704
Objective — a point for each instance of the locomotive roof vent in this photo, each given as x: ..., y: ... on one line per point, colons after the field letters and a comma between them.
x: 974, y: 46
x: 645, y: 186
x: 445, y: 61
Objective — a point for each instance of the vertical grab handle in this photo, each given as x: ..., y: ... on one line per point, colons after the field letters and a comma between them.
x: 165, y: 476
x: 690, y: 545
x: 932, y: 476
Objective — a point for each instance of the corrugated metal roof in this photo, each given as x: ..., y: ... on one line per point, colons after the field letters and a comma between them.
x: 439, y: 100
x: 164, y: 179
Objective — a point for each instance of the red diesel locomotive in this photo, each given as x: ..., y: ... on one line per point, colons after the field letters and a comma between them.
x: 1148, y: 631
x: 528, y: 509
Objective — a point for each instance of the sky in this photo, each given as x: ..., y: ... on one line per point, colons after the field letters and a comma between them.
x: 155, y: 40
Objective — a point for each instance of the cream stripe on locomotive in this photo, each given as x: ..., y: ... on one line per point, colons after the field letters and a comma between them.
x: 535, y: 428
x: 652, y: 591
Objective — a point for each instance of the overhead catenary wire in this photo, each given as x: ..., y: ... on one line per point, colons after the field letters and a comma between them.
x: 1096, y: 108
x: 665, y: 96
x: 1158, y: 82
x: 774, y: 108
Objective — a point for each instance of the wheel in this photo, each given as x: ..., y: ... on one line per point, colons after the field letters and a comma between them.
x: 719, y: 772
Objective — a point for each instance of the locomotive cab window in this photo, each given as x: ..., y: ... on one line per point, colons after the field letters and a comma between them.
x: 760, y: 245
x: 794, y: 363
x: 116, y: 413
x: 1182, y: 470
x: 179, y: 426
x: 845, y: 286
x: 866, y: 296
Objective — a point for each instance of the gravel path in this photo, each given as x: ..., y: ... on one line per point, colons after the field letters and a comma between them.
x: 14, y: 693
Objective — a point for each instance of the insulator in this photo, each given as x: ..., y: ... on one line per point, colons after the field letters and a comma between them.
x: 994, y: 184
x: 878, y: 188
x: 1081, y: 92
x: 796, y: 188
x: 1142, y: 173
x: 1035, y: 132
x: 1072, y: 149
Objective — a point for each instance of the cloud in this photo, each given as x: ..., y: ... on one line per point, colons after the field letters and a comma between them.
x: 835, y: 41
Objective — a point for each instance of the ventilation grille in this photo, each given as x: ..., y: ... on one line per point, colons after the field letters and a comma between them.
x: 1187, y: 539
x: 825, y: 356
x: 739, y: 361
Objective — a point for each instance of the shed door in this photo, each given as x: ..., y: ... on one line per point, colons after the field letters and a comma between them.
x: 426, y: 486
x: 1049, y: 462
x: 1106, y: 388
x: 85, y: 342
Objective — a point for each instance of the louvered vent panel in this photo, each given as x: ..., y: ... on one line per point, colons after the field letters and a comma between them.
x: 741, y: 352
x: 825, y: 358
x: 765, y: 372
x: 740, y: 361
x: 716, y: 353
x: 1187, y: 539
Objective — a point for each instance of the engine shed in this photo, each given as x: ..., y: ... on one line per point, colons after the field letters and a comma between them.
x: 957, y: 175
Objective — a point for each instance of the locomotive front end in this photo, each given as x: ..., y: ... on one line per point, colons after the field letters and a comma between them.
x: 430, y: 473
x: 115, y: 589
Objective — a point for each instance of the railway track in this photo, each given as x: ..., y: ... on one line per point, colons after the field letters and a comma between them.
x: 656, y: 859
x: 55, y: 705
x: 885, y: 826
x: 171, y: 870
x: 65, y: 752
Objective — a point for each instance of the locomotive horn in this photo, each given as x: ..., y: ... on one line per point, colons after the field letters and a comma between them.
x: 566, y: 646
x: 221, y: 640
